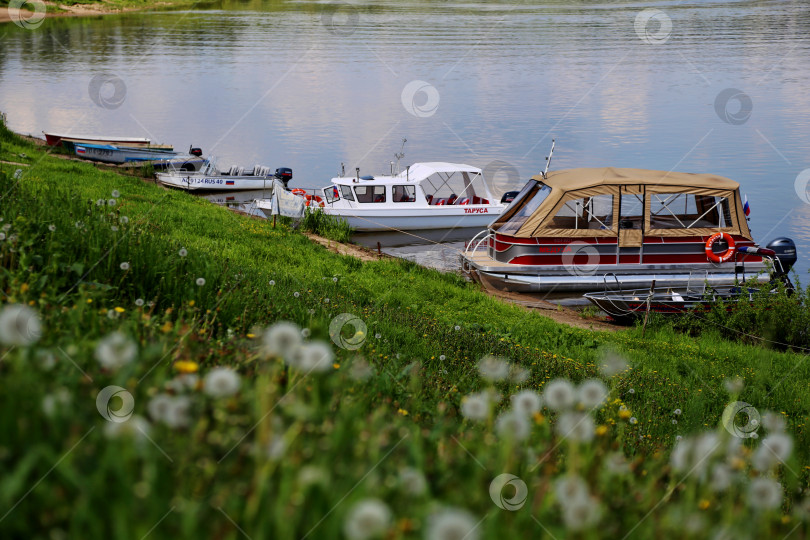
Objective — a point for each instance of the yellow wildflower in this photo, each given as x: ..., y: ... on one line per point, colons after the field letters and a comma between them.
x: 601, y: 430
x: 119, y: 309
x: 24, y: 287
x: 703, y: 504
x: 624, y: 414
x: 403, y: 412
x: 186, y: 366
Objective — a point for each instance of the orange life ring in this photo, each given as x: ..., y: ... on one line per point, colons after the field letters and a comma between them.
x: 314, y: 200
x: 299, y: 191
x: 721, y: 257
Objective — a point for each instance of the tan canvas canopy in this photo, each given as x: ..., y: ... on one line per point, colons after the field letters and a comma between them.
x: 674, y: 204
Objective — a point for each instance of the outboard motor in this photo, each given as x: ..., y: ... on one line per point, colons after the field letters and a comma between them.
x: 195, y: 151
x: 785, y: 251
x: 284, y: 174
x: 509, y: 196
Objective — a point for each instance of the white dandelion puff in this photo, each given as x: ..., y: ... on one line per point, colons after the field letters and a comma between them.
x: 493, y: 368
x: 592, y: 393
x: 115, y: 351
x: 412, y: 481
x: 677, y: 412
x: 111, y: 202
x: 774, y: 449
x: 158, y: 407
x: 559, y: 395
x: 20, y: 325
x: 200, y: 281
x: 764, y: 494
x: 369, y: 518
x: 774, y: 422
x: 52, y: 227
x: 316, y: 357
x: 452, y: 524
x: 115, y: 193
x: 519, y: 374
x: 526, y: 402
x: 183, y: 252
x: 612, y: 363
x: 272, y: 282
x: 139, y: 302
x: 570, y: 488
x: 136, y: 428
x: 513, y: 426
x: 721, y: 477
x: 280, y: 339
x: 734, y: 385
x: 582, y: 514
x: 475, y: 406
x: 124, y: 266
x: 360, y: 370
x: 576, y: 427
x: 221, y: 382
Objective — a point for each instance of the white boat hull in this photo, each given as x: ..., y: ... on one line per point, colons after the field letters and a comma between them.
x: 425, y: 218
x: 199, y: 182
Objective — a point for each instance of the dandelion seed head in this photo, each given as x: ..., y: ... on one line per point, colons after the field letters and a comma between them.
x: 124, y: 266
x: 315, y: 357
x: 526, y: 402
x: 111, y: 202
x: 513, y: 426
x: 612, y: 363
x: 570, y: 488
x: 123, y: 220
x: 576, y: 427
x: 139, y: 302
x: 20, y: 325
x: 452, y: 524
x: 272, y: 282
x: 200, y: 281
x: 221, y: 382
x: 280, y: 339
x: 442, y: 358
x: 774, y: 422
x: 456, y: 328
x: 592, y: 393
x: 137, y: 429
x: 774, y: 449
x: 734, y: 385
x: 493, y: 368
x: 183, y: 252
x: 115, y: 193
x: 764, y: 494
x: 559, y: 395
x: 51, y: 227
x: 367, y: 519
x: 412, y: 481
x: 475, y: 406
x: 296, y: 294
x: 115, y: 351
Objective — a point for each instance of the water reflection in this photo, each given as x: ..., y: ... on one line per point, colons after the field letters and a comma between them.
x: 273, y: 83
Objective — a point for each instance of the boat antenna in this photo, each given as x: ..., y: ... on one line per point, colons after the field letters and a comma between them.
x: 401, y: 153
x: 342, y: 169
x: 548, y: 159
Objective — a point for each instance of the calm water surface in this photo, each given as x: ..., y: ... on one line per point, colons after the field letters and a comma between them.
x: 309, y: 85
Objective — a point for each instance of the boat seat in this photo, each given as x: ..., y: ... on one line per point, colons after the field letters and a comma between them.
x: 465, y: 200
x: 452, y: 198
x: 429, y: 199
x: 479, y: 200
x: 441, y: 202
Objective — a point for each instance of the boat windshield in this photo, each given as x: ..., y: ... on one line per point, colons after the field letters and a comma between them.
x: 524, y: 205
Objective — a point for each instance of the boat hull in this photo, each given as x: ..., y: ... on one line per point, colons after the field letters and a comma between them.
x: 448, y: 217
x: 120, y: 155
x: 54, y: 139
x: 628, y: 304
x: 200, y: 182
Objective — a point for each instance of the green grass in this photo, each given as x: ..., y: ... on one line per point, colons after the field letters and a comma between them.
x: 345, y: 440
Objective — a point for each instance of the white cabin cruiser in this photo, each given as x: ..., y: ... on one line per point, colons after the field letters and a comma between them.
x: 424, y: 196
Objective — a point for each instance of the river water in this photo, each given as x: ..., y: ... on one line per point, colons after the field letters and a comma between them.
x: 710, y: 86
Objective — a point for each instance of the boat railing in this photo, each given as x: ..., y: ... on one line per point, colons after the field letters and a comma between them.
x: 472, y: 246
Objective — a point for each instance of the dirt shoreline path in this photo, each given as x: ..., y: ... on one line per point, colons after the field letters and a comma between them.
x: 77, y: 10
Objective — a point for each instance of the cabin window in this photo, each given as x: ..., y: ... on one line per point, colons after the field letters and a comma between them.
x: 370, y: 194
x: 585, y: 213
x: 631, y: 211
x: 331, y: 194
x: 346, y: 191
x: 404, y: 194
x: 526, y: 203
x: 689, y: 211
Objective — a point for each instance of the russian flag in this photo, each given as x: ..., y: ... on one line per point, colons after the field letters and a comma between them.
x: 335, y: 192
x: 228, y: 182
x: 746, y: 208
x: 80, y: 150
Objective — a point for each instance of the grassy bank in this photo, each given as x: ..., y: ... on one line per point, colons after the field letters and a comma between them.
x: 394, y: 432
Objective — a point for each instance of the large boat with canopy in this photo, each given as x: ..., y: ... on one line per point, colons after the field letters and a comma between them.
x: 591, y: 228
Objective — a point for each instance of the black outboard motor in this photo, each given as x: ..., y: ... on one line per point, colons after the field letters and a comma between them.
x: 785, y: 251
x: 284, y: 174
x: 195, y: 151
x: 509, y: 196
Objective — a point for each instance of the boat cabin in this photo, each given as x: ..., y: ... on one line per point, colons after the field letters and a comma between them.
x: 422, y: 184
x: 627, y: 215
